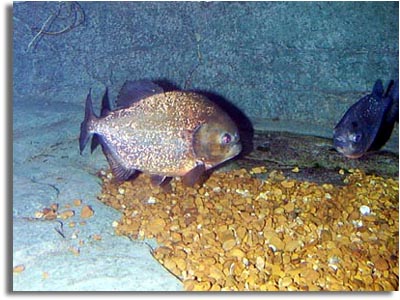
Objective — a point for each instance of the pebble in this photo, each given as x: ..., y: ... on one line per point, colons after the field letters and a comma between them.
x: 18, y: 269
x: 365, y: 210
x: 278, y: 234
x: 87, y: 211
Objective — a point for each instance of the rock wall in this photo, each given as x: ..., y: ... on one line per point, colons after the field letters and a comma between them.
x: 293, y: 66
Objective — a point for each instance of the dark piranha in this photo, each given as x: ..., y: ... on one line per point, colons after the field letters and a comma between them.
x: 164, y: 134
x: 368, y: 124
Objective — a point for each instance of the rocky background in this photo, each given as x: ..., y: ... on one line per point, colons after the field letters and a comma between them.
x: 294, y: 66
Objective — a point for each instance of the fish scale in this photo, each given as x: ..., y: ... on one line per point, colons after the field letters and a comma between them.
x: 155, y: 157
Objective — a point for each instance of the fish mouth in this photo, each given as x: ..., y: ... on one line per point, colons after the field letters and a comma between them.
x: 342, y: 146
x: 233, y: 152
x: 340, y: 140
x: 236, y: 149
x: 347, y: 152
x: 353, y: 156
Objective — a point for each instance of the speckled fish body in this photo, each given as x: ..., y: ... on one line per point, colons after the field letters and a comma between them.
x: 165, y: 134
x: 368, y: 124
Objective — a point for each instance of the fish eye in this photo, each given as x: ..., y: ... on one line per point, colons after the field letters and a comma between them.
x: 355, y: 137
x: 226, y: 138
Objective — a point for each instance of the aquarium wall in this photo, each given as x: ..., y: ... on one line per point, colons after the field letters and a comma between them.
x: 287, y: 66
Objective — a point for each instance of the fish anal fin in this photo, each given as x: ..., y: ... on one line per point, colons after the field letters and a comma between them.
x: 194, y: 175
x: 120, y: 172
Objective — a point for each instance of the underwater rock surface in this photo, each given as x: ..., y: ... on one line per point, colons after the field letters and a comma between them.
x: 316, y: 157
x: 308, y: 69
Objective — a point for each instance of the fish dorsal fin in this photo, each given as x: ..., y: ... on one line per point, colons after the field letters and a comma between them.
x: 133, y: 91
x: 378, y: 90
x: 392, y: 90
x: 394, y: 94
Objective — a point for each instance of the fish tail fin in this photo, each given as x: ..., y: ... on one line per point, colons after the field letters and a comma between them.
x: 89, y: 117
x: 105, y: 110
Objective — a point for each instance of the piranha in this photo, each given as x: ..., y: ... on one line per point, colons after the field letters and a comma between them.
x: 164, y: 134
x: 368, y: 124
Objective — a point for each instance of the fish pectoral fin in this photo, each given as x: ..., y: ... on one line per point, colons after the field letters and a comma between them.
x: 157, y: 179
x: 193, y: 176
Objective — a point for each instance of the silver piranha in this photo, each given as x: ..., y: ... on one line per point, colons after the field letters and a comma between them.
x: 164, y: 134
x: 368, y: 123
